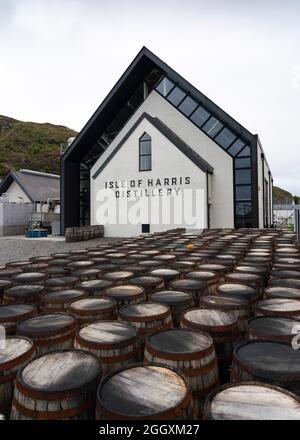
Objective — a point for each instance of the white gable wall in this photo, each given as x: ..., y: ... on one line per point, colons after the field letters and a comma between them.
x: 16, y: 194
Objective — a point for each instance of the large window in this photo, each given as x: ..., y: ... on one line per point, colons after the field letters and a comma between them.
x: 145, y: 153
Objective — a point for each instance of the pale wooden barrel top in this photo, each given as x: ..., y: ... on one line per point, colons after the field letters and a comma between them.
x: 108, y: 332
x: 188, y: 284
x: 60, y: 281
x: 122, y: 292
x: 46, y: 324
x: 210, y: 318
x: 4, y: 284
x: 241, y: 276
x: 254, y: 402
x: 25, y: 290
x: 201, y: 275
x: 146, y: 281
x: 144, y: 310
x: 223, y: 301
x: 14, y: 348
x: 29, y: 277
x: 141, y: 391
x: 279, y: 305
x: 285, y: 282
x: 118, y: 275
x: 165, y: 273
x: 61, y: 296
x: 212, y: 267
x: 60, y: 371
x: 180, y: 341
x: 92, y: 304
x: 274, y: 325
x: 236, y: 289
x: 283, y: 292
x: 8, y: 311
x: 171, y: 297
x: 95, y: 285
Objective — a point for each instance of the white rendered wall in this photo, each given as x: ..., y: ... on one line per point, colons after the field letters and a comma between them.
x: 262, y: 167
x: 221, y: 210
x: 14, y: 218
x: 16, y: 194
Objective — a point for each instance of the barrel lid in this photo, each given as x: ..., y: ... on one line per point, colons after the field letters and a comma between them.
x: 285, y: 282
x: 236, y: 289
x: 121, y: 292
x: 16, y: 264
x: 268, y: 326
x: 60, y: 371
x: 63, y: 296
x: 212, y: 267
x: 14, y: 311
x: 171, y: 297
x: 188, y: 284
x: 9, y: 272
x: 45, y: 324
x: 85, y: 272
x: 269, y: 360
x: 143, y: 391
x: 144, y: 311
x: 179, y: 340
x: 4, y: 284
x: 285, y: 273
x: 82, y: 264
x: 60, y: 281
x: 15, y: 347
x: 165, y: 273
x: 251, y: 269
x: 208, y: 318
x: 224, y: 301
x: 201, y: 275
x: 25, y: 290
x: 95, y: 285
x: 59, y: 262
x: 279, y: 305
x: 41, y: 259
x: 283, y: 292
x: 118, y: 275
x: 150, y: 263
x: 27, y: 277
x: 146, y: 281
x: 107, y: 333
x: 252, y: 401
x: 165, y: 257
x: 92, y: 305
x: 57, y: 271
x: 240, y: 276
x: 78, y: 251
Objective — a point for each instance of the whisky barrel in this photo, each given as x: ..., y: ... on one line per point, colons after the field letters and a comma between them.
x: 30, y: 278
x: 4, y: 284
x: 167, y: 275
x: 41, y: 259
x: 49, y: 332
x: 238, y: 290
x: 251, y: 401
x: 178, y: 302
x: 57, y: 272
x: 7, y: 274
x: 24, y: 294
x: 273, y: 362
x: 249, y: 279
x: 57, y: 301
x: 220, y: 269
x: 208, y: 277
x: 278, y: 307
x: 237, y: 305
x: 193, y: 353
x: 165, y: 259
x: 183, y: 266
x: 147, y: 318
x: 118, y: 277
x: 61, y: 283
x: 262, y: 272
x: 137, y: 270
x: 127, y: 294
x: 94, y: 287
x: 165, y: 393
x: 282, y: 292
x: 114, y: 343
x: 12, y: 314
x: 197, y: 288
x: 106, y: 267
x: 285, y: 282
x: 151, y: 264
x: 57, y: 385
x: 89, y: 310
x: 17, y: 264
x: 60, y: 262
x: 222, y: 327
x: 87, y: 274
x: 293, y: 274
x: 36, y: 267
x: 151, y: 284
x: 274, y: 328
x: 16, y: 352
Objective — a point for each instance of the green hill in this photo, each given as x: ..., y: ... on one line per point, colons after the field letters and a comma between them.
x: 31, y: 145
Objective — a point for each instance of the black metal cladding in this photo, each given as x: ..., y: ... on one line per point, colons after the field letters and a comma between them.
x: 226, y: 138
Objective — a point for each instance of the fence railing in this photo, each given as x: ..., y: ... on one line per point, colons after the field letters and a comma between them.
x: 297, y: 221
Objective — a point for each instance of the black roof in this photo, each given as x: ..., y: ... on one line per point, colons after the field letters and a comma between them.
x: 143, y: 63
x: 170, y: 135
x: 39, y: 187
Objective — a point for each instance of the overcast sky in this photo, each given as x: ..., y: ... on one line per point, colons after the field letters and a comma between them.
x: 60, y: 58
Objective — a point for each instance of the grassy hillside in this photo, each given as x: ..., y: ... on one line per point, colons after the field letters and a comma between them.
x: 281, y: 196
x: 31, y: 145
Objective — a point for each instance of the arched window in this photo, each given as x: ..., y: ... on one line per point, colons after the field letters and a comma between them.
x: 145, y: 154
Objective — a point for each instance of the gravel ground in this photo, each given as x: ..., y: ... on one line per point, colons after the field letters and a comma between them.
x: 19, y: 249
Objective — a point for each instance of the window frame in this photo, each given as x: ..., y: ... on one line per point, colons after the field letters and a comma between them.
x: 145, y: 155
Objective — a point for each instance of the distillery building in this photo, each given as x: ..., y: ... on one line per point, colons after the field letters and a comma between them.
x: 158, y: 154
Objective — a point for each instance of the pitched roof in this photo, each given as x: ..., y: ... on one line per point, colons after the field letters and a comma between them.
x: 131, y: 78
x: 169, y: 134
x: 39, y: 187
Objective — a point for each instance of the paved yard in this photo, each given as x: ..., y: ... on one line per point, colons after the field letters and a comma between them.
x: 21, y: 248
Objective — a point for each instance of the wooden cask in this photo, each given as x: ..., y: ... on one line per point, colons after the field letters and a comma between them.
x: 151, y: 284
x: 61, y: 283
x: 36, y: 267
x: 151, y: 264
x: 127, y: 294
x: 286, y: 308
x: 222, y: 327
x: 79, y: 265
x: 93, y: 309
x: 60, y: 262
x: 248, y: 279
x: 53, y: 387
x: 193, y: 353
x: 41, y: 259
x: 87, y: 274
x: 137, y: 270
x: 4, y: 284
x: 144, y: 392
x: 57, y: 272
x: 118, y: 277
x: 260, y: 271
x: 183, y: 266
x: 287, y: 273
x: 238, y: 306
x: 220, y: 269
x: 212, y: 279
x: 251, y: 401
x: 239, y: 290
x: 273, y: 328
x: 168, y: 275
x: 285, y: 282
x: 8, y: 273
x: 147, y: 318
x: 17, y: 264
x: 197, y: 288
x: 94, y: 287
x: 24, y: 294
x: 49, y: 331
x: 30, y: 278
x: 12, y: 314
x: 58, y: 301
x: 114, y: 343
x: 282, y: 292
x: 272, y: 362
x: 15, y: 353
x: 178, y: 302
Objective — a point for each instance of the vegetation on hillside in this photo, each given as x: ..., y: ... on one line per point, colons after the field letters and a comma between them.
x: 31, y: 145
x: 283, y: 197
